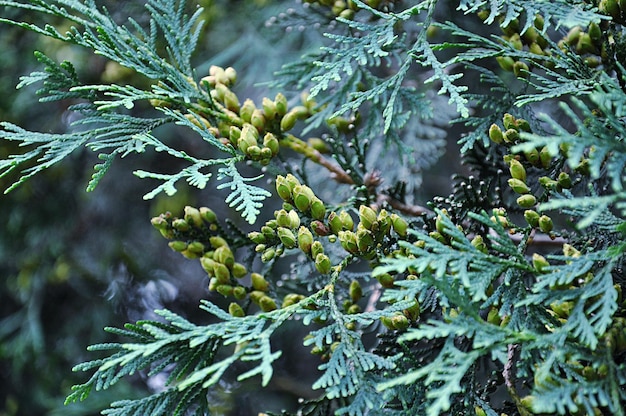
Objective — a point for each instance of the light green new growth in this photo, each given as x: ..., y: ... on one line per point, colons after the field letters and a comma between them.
x: 505, y: 297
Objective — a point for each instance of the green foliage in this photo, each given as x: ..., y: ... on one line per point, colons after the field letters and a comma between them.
x: 510, y: 286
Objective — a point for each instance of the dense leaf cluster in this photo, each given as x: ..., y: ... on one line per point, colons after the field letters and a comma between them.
x: 511, y: 285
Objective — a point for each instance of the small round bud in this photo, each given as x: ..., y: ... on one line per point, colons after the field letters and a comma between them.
x: 518, y: 186
x: 517, y: 170
x: 236, y: 310
x: 545, y: 223
x: 259, y: 282
x: 527, y: 201
x: 322, y: 263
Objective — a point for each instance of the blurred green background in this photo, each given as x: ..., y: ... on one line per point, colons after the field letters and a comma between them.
x: 73, y: 262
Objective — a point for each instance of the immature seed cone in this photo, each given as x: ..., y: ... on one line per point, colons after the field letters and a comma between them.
x: 517, y: 170
x: 367, y: 216
x: 282, y: 188
x: 527, y: 201
x: 400, y: 226
x: 356, y: 292
x: 267, y: 304
x: 545, y: 224
x: 495, y: 134
x: 316, y: 248
x: 531, y: 217
x: 305, y: 239
x: 518, y: 186
x: 318, y: 210
x: 322, y: 263
x: 286, y: 237
x: 259, y: 282
x: 281, y: 104
x: 236, y: 310
x: 208, y: 215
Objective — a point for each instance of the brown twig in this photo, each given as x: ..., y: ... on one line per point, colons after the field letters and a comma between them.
x: 509, y: 379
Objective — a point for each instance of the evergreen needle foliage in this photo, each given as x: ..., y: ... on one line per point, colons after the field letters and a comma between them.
x: 505, y: 297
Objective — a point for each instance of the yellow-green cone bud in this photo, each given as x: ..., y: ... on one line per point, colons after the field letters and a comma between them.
x: 267, y: 304
x: 257, y: 237
x: 364, y: 240
x: 540, y: 263
x: 269, y: 108
x: 301, y: 198
x: 305, y: 239
x: 294, y: 219
x: 413, y: 312
x: 246, y: 110
x: 400, y: 322
x: 495, y: 134
x: 356, y: 292
x: 545, y: 157
x: 282, y: 188
x: 545, y: 223
x: 548, y: 183
x: 367, y: 216
x: 400, y: 226
x: 348, y: 241
x: 564, y: 180
x: 506, y: 62
x: 239, y: 270
x: 208, y: 265
x: 270, y: 141
x: 386, y: 280
x: 192, y: 216
x: 286, y: 237
x: 180, y: 224
x: 518, y: 186
x: 335, y: 222
x: 439, y: 223
x: 595, y: 33
x: 235, y: 310
x: 517, y: 170
x: 509, y: 121
x: 316, y: 248
x: 291, y: 299
x: 196, y: 247
x: 221, y: 273
x: 160, y: 223
x: 322, y: 263
x: 231, y: 101
x: 288, y: 121
x: 240, y: 292
x: 177, y: 245
x: 258, y: 120
x: 248, y: 137
x: 281, y: 104
x: 570, y: 251
x: 526, y: 201
x: 532, y: 156
x: 217, y: 241
x: 387, y: 322
x: 224, y: 290
x: 282, y: 218
x: 318, y: 210
x: 268, y: 255
x: 224, y: 255
x: 531, y: 217
x: 208, y: 215
x: 479, y: 243
x: 259, y: 282
x: 346, y: 220
x: 511, y: 136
